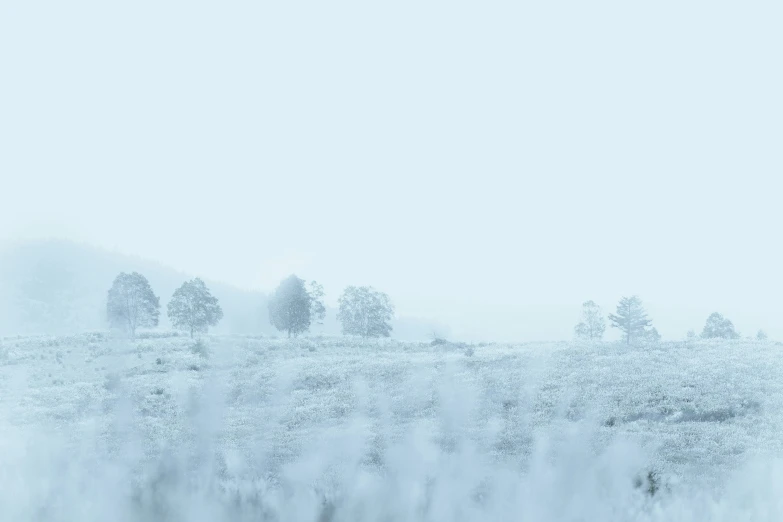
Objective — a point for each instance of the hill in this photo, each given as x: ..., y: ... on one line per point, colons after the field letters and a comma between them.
x: 54, y: 287
x: 58, y: 287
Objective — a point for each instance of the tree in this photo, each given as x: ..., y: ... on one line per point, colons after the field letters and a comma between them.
x: 293, y: 307
x: 317, y: 308
x: 365, y: 311
x: 691, y: 335
x: 193, y: 308
x: 652, y: 335
x: 631, y: 318
x: 718, y: 327
x: 593, y: 325
x: 761, y: 335
x: 132, y: 304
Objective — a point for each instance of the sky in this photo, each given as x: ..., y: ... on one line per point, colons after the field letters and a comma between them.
x: 488, y: 164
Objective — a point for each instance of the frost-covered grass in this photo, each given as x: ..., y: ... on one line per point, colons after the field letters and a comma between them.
x: 241, y: 429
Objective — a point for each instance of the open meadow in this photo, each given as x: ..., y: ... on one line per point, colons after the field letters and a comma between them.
x: 234, y: 428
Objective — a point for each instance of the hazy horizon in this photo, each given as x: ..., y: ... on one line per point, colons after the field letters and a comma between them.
x: 488, y: 167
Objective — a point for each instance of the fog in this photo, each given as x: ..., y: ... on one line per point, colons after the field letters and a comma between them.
x: 484, y: 182
x: 489, y: 165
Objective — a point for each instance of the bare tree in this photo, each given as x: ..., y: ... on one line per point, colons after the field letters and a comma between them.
x: 593, y: 324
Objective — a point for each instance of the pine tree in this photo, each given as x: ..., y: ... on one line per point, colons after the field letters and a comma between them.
x: 630, y: 318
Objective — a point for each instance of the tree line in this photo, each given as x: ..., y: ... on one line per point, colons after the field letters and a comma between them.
x: 631, y: 319
x: 293, y: 308
x: 296, y: 305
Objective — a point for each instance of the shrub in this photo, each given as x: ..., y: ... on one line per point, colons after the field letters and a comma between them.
x: 650, y: 483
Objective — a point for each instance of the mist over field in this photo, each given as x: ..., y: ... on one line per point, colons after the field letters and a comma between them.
x: 406, y: 261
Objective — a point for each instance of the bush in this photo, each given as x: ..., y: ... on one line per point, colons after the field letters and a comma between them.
x: 650, y: 483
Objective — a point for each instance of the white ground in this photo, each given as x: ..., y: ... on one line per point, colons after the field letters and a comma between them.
x: 95, y: 429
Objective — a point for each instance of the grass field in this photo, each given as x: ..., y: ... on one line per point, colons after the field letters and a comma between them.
x: 241, y: 429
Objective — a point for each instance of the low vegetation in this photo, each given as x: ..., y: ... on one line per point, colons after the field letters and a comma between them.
x: 267, y: 430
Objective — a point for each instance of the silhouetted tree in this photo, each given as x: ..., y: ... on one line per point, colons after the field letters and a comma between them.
x: 718, y: 327
x: 761, y: 335
x: 293, y: 307
x: 365, y: 311
x: 630, y: 318
x: 193, y: 308
x: 593, y: 324
x: 131, y: 304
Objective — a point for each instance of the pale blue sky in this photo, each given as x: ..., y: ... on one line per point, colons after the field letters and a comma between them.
x: 488, y: 164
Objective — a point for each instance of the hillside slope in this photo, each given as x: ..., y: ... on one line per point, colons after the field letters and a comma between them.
x: 53, y: 287
x: 58, y: 287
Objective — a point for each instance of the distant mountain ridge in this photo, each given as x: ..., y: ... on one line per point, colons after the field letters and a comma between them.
x: 60, y: 287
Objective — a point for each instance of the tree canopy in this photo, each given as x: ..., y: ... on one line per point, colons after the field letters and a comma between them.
x: 365, y: 311
x: 718, y: 327
x: 193, y: 308
x: 593, y: 325
x: 131, y: 303
x: 293, y: 307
